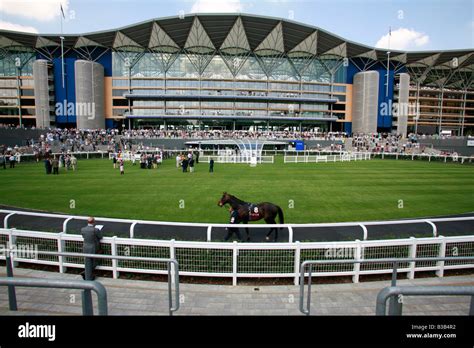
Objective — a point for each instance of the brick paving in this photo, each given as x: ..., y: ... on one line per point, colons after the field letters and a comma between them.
x: 135, y: 297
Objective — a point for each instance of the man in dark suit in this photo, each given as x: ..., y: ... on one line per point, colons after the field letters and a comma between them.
x: 211, y: 166
x: 92, y: 237
x: 55, y: 165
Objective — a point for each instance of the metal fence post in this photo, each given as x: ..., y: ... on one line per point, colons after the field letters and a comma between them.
x: 290, y: 234
x: 170, y: 296
x: 413, y: 246
x: 234, y: 262
x: 441, y: 253
x: 87, y: 308
x: 11, y: 289
x: 113, y: 251
x: 394, y: 305
x: 357, y: 257
x: 297, y: 262
x: 310, y: 274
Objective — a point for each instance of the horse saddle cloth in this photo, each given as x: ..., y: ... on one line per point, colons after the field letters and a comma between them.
x: 254, y: 212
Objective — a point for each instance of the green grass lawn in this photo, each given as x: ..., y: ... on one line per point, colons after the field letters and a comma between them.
x: 324, y: 192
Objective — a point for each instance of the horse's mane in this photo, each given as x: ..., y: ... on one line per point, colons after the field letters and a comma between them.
x: 237, y: 199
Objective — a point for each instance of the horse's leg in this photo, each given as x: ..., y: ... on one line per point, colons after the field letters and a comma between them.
x: 270, y: 221
x: 237, y: 232
x: 247, y: 230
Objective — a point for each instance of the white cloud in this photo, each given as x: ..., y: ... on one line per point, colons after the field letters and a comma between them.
x: 17, y: 27
x: 403, y: 39
x: 44, y: 10
x: 216, y: 6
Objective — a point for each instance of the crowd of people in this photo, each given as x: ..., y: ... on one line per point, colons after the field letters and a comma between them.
x: 229, y: 134
x: 184, y: 161
x: 385, y: 142
x: 52, y: 164
x: 66, y: 141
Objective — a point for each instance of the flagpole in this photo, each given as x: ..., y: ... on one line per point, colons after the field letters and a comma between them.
x: 61, y: 14
x: 62, y: 46
x: 388, y: 61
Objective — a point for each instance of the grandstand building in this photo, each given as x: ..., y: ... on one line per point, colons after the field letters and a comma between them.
x: 234, y: 72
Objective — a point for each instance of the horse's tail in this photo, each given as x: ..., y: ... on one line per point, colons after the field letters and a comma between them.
x: 280, y: 215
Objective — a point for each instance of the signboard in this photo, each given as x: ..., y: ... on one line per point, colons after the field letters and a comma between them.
x: 470, y: 142
x: 298, y: 144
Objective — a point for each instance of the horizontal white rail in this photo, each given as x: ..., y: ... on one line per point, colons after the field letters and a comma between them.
x: 203, y: 224
x: 237, y: 159
x: 323, y: 156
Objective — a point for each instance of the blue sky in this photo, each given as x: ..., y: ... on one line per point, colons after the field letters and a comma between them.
x: 416, y: 25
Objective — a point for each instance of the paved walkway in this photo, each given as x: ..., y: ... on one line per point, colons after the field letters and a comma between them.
x: 132, y: 297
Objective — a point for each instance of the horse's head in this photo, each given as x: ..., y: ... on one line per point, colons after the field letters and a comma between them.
x: 224, y: 199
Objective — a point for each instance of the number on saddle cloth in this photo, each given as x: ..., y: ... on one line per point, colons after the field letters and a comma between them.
x: 254, y: 213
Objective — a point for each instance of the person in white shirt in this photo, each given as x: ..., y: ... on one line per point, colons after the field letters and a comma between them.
x: 12, y: 161
x: 178, y: 161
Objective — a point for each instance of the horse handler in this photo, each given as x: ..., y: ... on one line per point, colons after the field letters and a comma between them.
x: 234, y: 219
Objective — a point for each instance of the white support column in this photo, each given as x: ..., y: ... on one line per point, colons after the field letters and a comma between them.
x: 435, y: 229
x: 5, y: 220
x: 297, y: 263
x: 209, y: 233
x: 61, y: 249
x: 290, y: 234
x: 364, y: 230
x: 411, y: 274
x: 441, y: 253
x: 172, y: 256
x: 234, y: 263
x: 132, y: 230
x: 113, y: 251
x: 65, y: 224
x: 357, y: 257
x: 12, y: 246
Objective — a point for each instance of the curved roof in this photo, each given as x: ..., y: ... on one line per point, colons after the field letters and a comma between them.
x: 234, y: 33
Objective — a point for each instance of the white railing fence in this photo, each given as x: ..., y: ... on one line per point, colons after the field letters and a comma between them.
x: 237, y: 159
x: 210, y: 228
x: 28, y: 157
x: 245, y: 260
x: 322, y: 157
x: 345, y: 157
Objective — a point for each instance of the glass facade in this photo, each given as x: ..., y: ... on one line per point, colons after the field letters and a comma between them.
x: 241, y: 75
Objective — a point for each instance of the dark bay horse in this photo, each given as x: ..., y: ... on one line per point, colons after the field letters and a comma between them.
x: 253, y: 212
